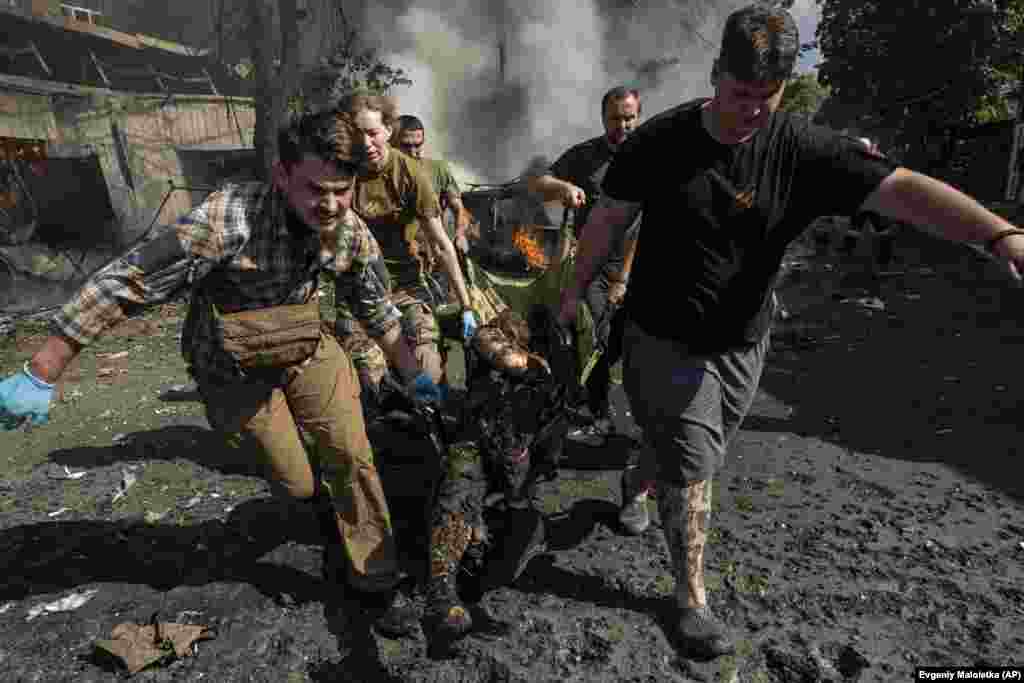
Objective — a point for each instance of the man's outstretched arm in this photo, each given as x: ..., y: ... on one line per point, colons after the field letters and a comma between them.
x: 936, y: 207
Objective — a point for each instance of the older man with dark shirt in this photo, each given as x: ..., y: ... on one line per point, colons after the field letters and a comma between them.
x: 575, y: 180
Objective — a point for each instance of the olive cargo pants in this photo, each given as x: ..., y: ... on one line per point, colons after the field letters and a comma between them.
x: 321, y: 396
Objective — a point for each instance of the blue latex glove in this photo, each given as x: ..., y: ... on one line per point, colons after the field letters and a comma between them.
x: 424, y: 390
x: 24, y: 397
x: 469, y: 325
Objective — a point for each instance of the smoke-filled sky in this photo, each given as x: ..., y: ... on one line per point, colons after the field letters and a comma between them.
x: 559, y: 58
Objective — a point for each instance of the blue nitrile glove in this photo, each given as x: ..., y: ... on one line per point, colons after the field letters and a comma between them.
x: 424, y: 390
x: 469, y: 324
x: 24, y: 397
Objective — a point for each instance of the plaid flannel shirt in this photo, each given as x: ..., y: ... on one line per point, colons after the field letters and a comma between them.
x: 237, y: 247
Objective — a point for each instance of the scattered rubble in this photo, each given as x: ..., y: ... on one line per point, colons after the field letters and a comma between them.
x: 66, y: 604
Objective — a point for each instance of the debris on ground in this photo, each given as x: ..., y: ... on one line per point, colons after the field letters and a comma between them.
x: 66, y: 473
x: 870, y: 302
x: 128, y: 479
x: 112, y: 356
x: 66, y: 604
x: 138, y: 646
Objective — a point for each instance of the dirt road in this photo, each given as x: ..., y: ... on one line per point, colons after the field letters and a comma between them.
x: 870, y: 518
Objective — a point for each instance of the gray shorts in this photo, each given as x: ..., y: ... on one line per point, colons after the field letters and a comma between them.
x: 689, y: 406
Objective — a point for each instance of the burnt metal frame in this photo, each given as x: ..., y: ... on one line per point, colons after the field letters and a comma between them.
x: 30, y: 49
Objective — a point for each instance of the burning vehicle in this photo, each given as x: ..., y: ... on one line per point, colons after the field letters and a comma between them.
x: 519, y: 236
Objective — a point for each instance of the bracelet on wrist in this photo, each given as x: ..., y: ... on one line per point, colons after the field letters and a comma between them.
x: 990, y: 244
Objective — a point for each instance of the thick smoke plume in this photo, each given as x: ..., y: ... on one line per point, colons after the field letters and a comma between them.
x: 499, y: 82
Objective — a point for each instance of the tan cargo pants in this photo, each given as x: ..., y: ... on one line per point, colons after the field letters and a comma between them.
x: 322, y: 397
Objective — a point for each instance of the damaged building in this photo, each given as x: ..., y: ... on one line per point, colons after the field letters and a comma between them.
x: 97, y: 126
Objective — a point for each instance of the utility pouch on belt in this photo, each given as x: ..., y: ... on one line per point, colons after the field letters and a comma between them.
x: 270, y: 337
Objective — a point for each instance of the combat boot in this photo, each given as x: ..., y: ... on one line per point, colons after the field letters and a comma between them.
x: 685, y: 511
x: 395, y: 616
x: 446, y: 616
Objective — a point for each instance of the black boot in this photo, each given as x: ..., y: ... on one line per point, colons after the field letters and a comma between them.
x: 394, y: 614
x: 684, y: 512
x: 702, y: 635
x: 447, y: 617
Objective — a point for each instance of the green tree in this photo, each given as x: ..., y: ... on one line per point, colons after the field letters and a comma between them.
x: 917, y: 66
x: 258, y: 39
x: 804, y: 94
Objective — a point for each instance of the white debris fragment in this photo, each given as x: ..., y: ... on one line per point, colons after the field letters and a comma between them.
x: 68, y: 474
x: 152, y: 517
x: 192, y: 502
x: 106, y: 414
x: 58, y: 512
x: 65, y: 604
x: 7, y: 606
x: 112, y: 356
x: 128, y: 479
x: 121, y: 439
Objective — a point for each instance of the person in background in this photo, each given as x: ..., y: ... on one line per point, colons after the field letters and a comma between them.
x: 397, y: 200
x: 411, y: 139
x: 575, y: 180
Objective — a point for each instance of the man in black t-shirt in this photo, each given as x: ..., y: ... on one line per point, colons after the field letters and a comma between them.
x: 725, y: 185
x: 575, y: 180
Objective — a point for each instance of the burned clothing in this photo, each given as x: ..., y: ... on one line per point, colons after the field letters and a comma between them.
x: 241, y: 246
x: 719, y: 218
x: 393, y: 202
x: 520, y: 413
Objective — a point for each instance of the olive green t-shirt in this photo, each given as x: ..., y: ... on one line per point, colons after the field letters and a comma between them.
x: 393, y: 202
x: 445, y: 185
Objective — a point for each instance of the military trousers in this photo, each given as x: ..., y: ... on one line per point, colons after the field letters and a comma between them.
x: 320, y: 396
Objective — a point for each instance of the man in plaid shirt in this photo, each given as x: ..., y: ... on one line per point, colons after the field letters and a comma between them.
x: 246, y: 248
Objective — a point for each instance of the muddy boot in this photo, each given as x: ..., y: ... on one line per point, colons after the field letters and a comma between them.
x: 446, y: 616
x: 684, y: 517
x: 395, y: 616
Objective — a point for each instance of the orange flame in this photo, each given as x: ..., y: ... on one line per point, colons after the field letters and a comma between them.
x: 525, y: 239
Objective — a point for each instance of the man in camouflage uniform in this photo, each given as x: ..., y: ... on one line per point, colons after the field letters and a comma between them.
x: 254, y: 252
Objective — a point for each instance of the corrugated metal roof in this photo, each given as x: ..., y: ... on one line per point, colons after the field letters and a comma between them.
x: 68, y: 55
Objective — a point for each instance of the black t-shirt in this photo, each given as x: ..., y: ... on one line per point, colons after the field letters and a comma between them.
x: 717, y: 218
x: 585, y: 166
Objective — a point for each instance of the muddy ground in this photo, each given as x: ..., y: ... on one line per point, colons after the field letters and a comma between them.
x: 869, y: 518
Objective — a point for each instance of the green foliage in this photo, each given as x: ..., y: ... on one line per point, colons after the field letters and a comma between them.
x: 804, y: 94
x: 918, y: 66
x: 351, y: 67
